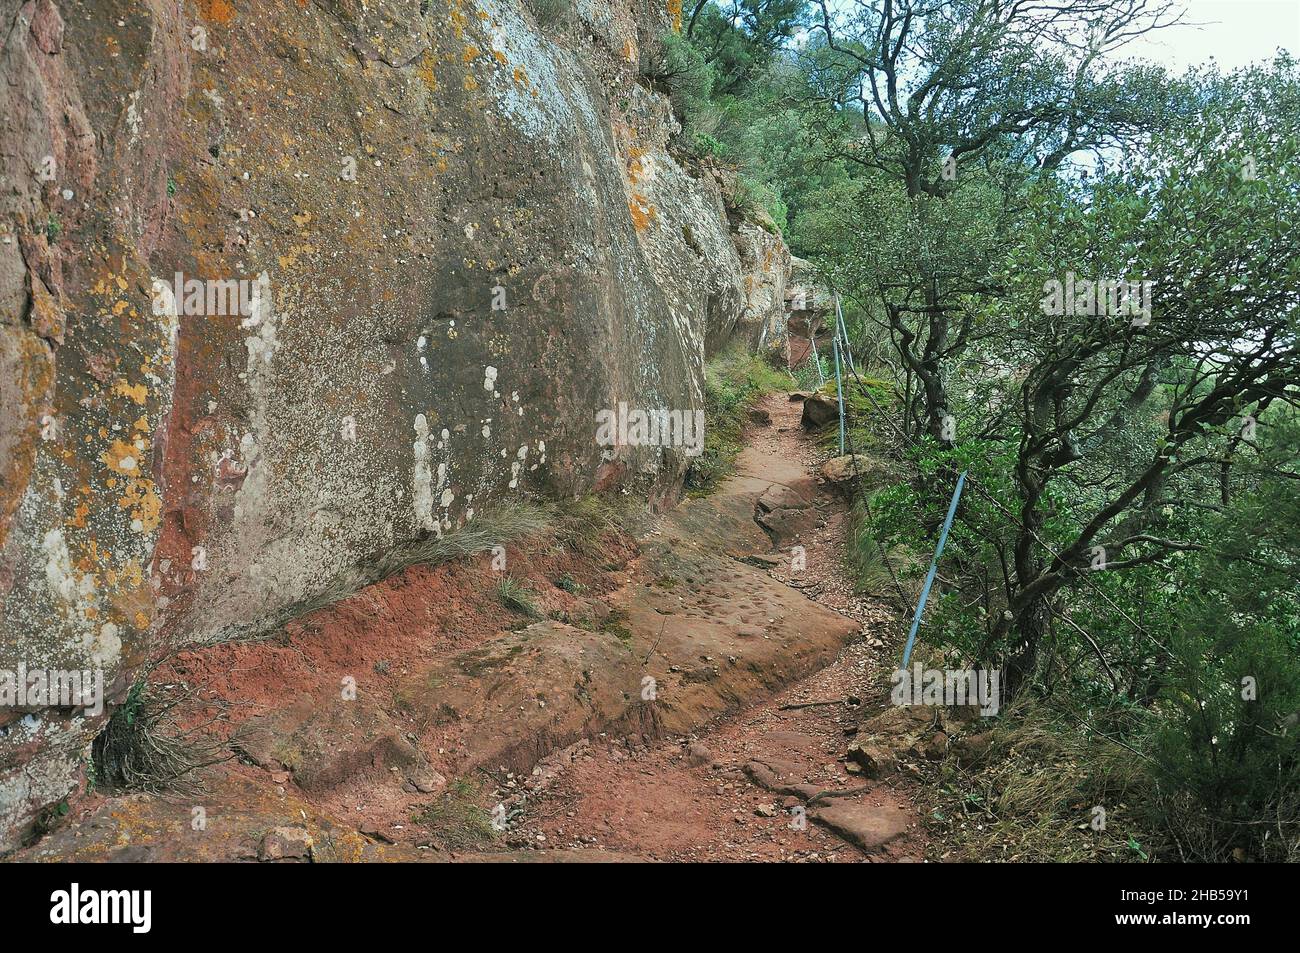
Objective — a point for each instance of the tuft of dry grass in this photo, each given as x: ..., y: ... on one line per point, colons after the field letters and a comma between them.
x: 517, y: 597
x: 455, y: 820
x: 1034, y: 796
x: 142, y: 748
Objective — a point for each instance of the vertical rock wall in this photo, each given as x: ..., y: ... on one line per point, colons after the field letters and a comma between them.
x: 286, y: 284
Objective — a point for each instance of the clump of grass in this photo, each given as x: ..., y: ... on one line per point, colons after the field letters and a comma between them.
x: 517, y: 597
x: 493, y: 528
x: 872, y: 569
x: 733, y: 382
x: 455, y: 820
x: 143, y: 749
x: 585, y: 525
x: 1032, y: 796
x: 53, y: 228
x: 569, y: 584
x: 615, y: 624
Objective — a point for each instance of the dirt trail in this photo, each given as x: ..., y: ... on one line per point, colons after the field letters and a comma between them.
x: 699, y: 797
x: 643, y: 717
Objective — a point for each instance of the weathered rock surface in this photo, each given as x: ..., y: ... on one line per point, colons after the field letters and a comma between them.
x: 692, y: 634
x: 870, y: 827
x: 788, y: 525
x: 847, y: 468
x: 698, y: 754
x: 918, y: 733
x: 431, y: 240
x: 323, y: 741
x: 810, y: 313
x: 786, y: 515
x: 778, y: 496
x: 876, y: 761
x: 285, y: 843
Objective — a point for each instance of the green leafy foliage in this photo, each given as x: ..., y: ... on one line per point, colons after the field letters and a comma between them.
x: 733, y: 382
x: 1126, y: 546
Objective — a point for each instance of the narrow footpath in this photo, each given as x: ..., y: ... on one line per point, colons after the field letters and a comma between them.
x: 688, y: 694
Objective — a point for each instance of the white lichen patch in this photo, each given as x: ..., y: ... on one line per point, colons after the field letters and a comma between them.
x: 58, y: 567
x: 262, y: 345
x: 104, y: 648
x: 422, y: 477
x: 134, y: 120
x: 527, y: 87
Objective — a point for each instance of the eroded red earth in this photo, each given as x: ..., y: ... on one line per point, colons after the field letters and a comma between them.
x: 657, y: 710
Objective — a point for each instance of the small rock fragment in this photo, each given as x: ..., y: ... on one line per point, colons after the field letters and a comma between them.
x: 285, y: 843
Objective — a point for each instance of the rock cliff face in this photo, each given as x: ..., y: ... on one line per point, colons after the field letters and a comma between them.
x: 287, y: 284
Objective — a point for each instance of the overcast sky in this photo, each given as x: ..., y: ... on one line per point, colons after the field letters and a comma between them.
x: 1235, y: 32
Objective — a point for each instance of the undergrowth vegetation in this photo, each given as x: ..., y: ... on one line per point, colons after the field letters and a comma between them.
x: 1044, y: 792
x: 734, y: 381
x: 455, y: 820
x: 143, y: 748
x: 1127, y: 548
x: 518, y: 597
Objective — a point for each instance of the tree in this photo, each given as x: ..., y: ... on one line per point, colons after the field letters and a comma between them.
x: 740, y: 38
x: 1145, y: 414
x: 1011, y: 87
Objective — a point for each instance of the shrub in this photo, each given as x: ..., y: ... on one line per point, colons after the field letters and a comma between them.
x: 706, y: 145
x: 552, y: 13
x: 143, y: 749
x: 678, y: 70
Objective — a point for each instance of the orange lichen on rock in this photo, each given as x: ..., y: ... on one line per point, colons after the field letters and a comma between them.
x: 425, y: 70
x: 458, y: 19
x: 121, y: 457
x: 675, y: 14
x: 33, y: 389
x: 222, y: 12
x: 643, y: 213
x: 639, y: 165
x: 136, y: 392
x: 145, y: 507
